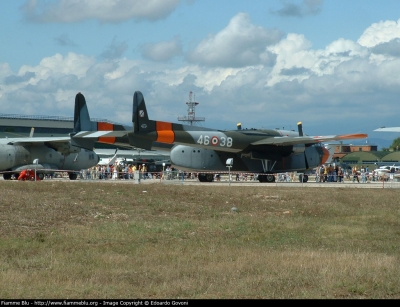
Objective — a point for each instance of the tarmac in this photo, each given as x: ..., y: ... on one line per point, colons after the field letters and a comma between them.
x: 225, y: 182
x: 252, y: 183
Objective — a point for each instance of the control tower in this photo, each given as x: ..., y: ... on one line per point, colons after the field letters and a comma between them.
x: 191, y: 117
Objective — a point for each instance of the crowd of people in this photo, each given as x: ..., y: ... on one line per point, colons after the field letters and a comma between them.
x: 120, y: 171
x: 335, y: 173
x: 124, y: 171
x: 114, y: 171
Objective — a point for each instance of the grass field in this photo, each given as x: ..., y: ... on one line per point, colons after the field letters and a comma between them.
x: 110, y: 240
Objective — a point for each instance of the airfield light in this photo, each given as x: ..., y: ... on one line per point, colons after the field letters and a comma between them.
x: 36, y: 161
x: 229, y: 163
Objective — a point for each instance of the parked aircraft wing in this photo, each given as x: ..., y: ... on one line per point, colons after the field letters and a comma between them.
x: 388, y: 129
x: 37, y: 140
x: 286, y: 140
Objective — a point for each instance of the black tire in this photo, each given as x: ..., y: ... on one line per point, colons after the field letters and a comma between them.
x: 206, y: 177
x: 202, y: 177
x: 209, y: 177
x: 7, y: 176
x: 270, y: 178
x: 266, y: 178
x: 72, y: 176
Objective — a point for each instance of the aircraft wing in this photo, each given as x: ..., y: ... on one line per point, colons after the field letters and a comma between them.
x: 389, y: 129
x: 101, y: 134
x: 37, y: 140
x: 60, y: 144
x: 287, y: 140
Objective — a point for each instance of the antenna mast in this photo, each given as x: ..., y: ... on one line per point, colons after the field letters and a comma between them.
x: 191, y: 117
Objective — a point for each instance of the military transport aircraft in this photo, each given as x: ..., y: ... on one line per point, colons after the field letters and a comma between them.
x: 206, y: 150
x: 50, y: 153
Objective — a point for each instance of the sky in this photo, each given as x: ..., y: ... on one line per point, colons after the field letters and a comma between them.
x: 333, y: 65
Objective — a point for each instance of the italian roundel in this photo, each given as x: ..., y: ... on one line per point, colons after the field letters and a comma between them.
x: 214, y: 141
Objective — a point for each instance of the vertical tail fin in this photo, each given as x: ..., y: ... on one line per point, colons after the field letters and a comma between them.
x: 140, y: 118
x: 81, y: 115
x: 82, y: 122
x: 141, y: 123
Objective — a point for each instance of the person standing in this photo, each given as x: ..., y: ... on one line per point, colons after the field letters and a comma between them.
x: 355, y: 174
x: 363, y: 175
x: 115, y: 172
x: 340, y: 175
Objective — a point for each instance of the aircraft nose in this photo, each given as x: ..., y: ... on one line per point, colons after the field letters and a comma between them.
x: 325, y: 155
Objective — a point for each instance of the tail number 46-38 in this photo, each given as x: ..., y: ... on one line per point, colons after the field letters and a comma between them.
x: 215, y: 141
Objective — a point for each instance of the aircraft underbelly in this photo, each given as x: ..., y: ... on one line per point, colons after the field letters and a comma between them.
x: 198, y: 159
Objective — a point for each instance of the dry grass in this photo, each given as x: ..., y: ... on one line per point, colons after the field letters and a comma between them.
x: 106, y: 240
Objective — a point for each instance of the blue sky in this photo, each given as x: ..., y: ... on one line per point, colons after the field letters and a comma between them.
x: 332, y: 64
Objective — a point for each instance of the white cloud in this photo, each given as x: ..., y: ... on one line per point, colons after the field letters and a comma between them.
x: 380, y: 32
x: 59, y: 65
x: 243, y: 73
x: 239, y: 44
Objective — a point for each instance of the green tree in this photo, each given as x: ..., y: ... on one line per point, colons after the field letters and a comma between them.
x: 395, y: 145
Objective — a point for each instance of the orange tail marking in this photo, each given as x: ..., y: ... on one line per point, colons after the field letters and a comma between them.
x: 165, y: 134
x: 325, y: 156
x: 106, y: 127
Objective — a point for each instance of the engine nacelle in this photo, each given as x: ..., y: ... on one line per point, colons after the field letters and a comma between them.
x: 63, y: 148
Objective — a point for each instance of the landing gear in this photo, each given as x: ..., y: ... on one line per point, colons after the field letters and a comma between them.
x: 266, y: 178
x: 7, y: 176
x: 72, y: 176
x: 206, y: 177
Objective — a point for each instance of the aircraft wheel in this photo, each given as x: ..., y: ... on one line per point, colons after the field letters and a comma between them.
x: 202, y: 177
x: 209, y: 177
x: 73, y: 176
x: 206, y: 177
x: 266, y: 178
x: 41, y: 176
x: 7, y: 176
x: 270, y: 178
